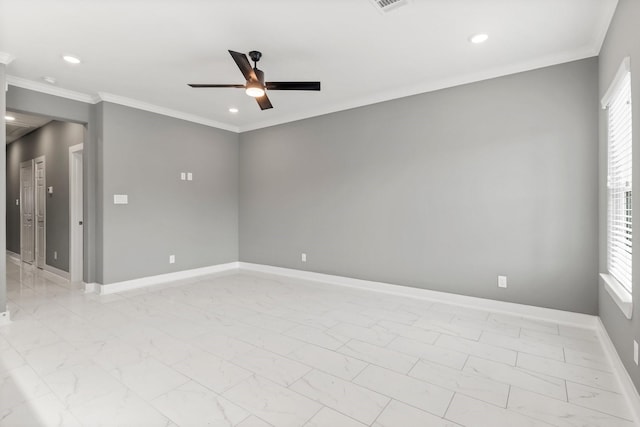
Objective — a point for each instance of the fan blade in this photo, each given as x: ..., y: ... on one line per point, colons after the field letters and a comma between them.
x: 292, y: 85
x: 243, y: 63
x: 264, y: 102
x: 208, y: 85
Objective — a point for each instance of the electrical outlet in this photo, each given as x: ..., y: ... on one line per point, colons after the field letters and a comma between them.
x: 172, y: 259
x: 502, y: 281
x: 635, y: 351
x: 189, y: 176
x: 17, y: 202
x: 55, y: 254
x: 304, y: 257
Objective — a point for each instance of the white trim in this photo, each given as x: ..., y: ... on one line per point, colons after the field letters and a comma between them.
x: 53, y: 270
x: 6, y: 58
x: 90, y: 288
x: 140, y: 105
x: 51, y: 90
x: 5, y: 318
x: 73, y: 216
x: 143, y: 282
x: 13, y: 257
x: 521, y: 310
x: 624, y: 380
x: 619, y: 294
x: 625, y: 67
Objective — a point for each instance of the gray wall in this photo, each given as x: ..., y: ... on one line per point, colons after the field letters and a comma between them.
x: 3, y: 184
x: 51, y: 141
x: 27, y: 101
x: 444, y: 190
x: 141, y: 154
x: 622, y: 40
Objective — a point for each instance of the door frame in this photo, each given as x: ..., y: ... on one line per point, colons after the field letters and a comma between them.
x: 76, y: 214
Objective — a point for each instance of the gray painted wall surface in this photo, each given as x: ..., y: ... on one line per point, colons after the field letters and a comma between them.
x: 444, y: 190
x: 27, y: 101
x: 142, y: 155
x: 3, y: 185
x: 622, y: 40
x: 52, y: 141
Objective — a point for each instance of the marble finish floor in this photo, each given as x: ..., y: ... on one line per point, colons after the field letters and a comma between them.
x: 257, y: 351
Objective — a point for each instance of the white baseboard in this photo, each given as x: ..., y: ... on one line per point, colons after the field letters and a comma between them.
x: 142, y: 282
x: 60, y: 273
x: 13, y: 257
x: 521, y: 310
x: 5, y: 318
x: 90, y: 288
x: 626, y: 384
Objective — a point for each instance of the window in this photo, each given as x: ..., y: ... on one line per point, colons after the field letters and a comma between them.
x: 617, y: 101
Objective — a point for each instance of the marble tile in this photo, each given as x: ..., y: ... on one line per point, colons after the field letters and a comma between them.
x: 578, y: 374
x: 10, y: 359
x: 191, y: 404
x: 488, y: 326
x: 580, y: 333
x: 461, y: 311
x: 328, y: 361
x: 44, y: 411
x: 81, y: 383
x: 317, y: 336
x: 411, y: 332
x: 19, y: 385
x: 211, y: 371
x: 275, y: 404
x: 516, y: 344
x: 122, y: 408
x: 50, y: 358
x: 149, y: 378
x: 350, y: 318
x: 471, y: 412
x: 561, y: 414
x: 588, y: 360
x: 587, y: 346
x: 222, y: 345
x: 530, y: 324
x: 278, y: 369
x: 380, y: 356
x: 395, y: 316
x: 448, y: 328
x: 466, y: 383
x: 253, y: 421
x: 270, y: 341
x: 527, y: 380
x: 443, y: 356
x: 485, y: 351
x: 397, y: 414
x: 599, y: 400
x: 329, y: 418
x: 414, y: 392
x: 111, y: 354
x: 372, y: 335
x: 343, y: 396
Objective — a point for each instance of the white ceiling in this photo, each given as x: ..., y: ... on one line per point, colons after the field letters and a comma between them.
x: 22, y: 125
x: 148, y: 50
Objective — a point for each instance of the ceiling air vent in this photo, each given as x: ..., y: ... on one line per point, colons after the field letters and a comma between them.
x: 388, y: 5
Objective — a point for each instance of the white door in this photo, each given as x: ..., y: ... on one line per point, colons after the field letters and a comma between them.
x: 40, y: 211
x: 27, y: 236
x: 76, y: 226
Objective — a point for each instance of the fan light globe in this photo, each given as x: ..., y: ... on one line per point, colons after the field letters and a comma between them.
x: 255, y: 89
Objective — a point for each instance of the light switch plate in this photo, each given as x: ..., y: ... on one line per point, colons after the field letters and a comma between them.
x: 189, y: 176
x: 183, y: 176
x: 120, y: 199
x: 172, y: 259
x: 502, y: 281
x: 303, y: 258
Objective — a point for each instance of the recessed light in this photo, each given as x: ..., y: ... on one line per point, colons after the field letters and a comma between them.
x: 71, y: 59
x: 50, y: 80
x: 478, y: 38
x: 9, y: 118
x: 233, y: 110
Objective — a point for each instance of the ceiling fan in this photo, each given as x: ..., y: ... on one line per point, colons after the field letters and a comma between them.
x: 255, y: 85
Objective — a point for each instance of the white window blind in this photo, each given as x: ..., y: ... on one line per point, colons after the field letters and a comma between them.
x: 619, y: 218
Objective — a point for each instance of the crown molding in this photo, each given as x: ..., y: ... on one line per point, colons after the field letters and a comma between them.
x: 51, y: 90
x: 6, y: 58
x: 140, y: 105
x: 404, y: 92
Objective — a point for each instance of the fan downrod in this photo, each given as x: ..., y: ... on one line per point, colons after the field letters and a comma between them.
x: 255, y: 56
